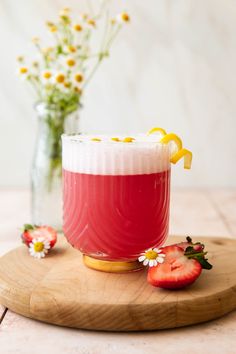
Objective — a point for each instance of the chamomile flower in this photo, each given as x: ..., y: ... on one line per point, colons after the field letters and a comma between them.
x: 59, y: 78
x: 77, y: 27
x: 66, y: 87
x: 71, y: 62
x: 152, y: 257
x: 113, y: 21
x: 47, y: 76
x: 65, y: 12
x: 35, y: 64
x: 20, y: 58
x: 23, y: 72
x: 84, y: 16
x: 78, y: 90
x: 39, y: 247
x: 91, y: 23
x: 65, y: 19
x: 51, y: 27
x: 78, y: 77
x: 123, y: 17
x: 71, y: 49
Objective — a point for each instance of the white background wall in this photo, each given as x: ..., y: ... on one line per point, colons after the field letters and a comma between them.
x: 174, y: 66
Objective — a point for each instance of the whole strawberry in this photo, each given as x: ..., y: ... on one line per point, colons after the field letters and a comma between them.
x: 31, y: 232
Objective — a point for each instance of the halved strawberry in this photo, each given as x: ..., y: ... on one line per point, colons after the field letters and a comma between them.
x: 31, y: 232
x: 176, y: 272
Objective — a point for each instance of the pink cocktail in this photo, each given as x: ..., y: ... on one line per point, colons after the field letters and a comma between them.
x: 116, y: 196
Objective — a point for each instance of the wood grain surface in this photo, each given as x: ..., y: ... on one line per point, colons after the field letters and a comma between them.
x: 61, y: 290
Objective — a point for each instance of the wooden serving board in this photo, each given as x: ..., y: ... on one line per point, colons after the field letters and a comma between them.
x: 61, y: 290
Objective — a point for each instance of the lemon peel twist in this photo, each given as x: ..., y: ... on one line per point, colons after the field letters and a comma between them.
x: 181, y: 152
x: 155, y: 130
x: 172, y: 137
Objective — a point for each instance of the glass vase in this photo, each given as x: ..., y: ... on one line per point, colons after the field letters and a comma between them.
x: 46, y: 175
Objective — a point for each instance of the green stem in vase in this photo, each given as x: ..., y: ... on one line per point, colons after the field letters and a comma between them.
x: 56, y: 129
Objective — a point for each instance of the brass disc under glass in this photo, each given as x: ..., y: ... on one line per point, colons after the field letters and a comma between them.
x: 112, y: 266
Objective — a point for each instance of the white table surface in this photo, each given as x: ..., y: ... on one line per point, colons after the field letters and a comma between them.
x: 209, y: 212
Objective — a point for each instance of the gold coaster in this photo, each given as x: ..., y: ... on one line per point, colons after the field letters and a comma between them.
x: 112, y: 266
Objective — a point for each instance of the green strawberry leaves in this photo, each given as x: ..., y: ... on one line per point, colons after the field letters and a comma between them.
x: 196, y: 251
x: 28, y: 227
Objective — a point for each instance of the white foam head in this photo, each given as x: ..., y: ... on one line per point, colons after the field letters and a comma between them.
x: 106, y: 157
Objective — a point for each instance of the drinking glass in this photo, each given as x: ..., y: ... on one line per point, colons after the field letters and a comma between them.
x: 116, y: 198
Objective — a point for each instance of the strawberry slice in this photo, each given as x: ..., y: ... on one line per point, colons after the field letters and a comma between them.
x: 177, y: 271
x: 31, y: 232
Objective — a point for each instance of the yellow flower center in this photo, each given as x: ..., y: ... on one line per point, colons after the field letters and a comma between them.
x: 70, y: 62
x: 151, y: 254
x: 84, y: 16
x: 95, y: 139
x: 66, y: 10
x: 72, y: 49
x: 35, y: 64
x: 78, y: 90
x: 38, y: 246
x: 23, y: 70
x: 67, y: 84
x: 65, y: 18
x: 60, y: 78
x: 115, y: 139
x: 128, y: 139
x: 79, y: 77
x: 78, y: 27
x: 53, y: 29
x: 91, y: 22
x: 47, y: 75
x: 20, y: 58
x: 125, y: 17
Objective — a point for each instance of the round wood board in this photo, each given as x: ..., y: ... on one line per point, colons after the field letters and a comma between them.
x: 61, y: 290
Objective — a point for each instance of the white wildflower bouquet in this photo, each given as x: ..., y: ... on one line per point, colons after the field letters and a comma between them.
x: 65, y: 68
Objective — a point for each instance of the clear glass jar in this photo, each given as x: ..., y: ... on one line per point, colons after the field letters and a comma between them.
x: 46, y: 174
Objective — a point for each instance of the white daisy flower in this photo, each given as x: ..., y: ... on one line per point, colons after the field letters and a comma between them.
x: 23, y: 72
x: 77, y: 27
x: 70, y: 62
x: 39, y: 247
x: 65, y: 12
x: 90, y: 23
x: 152, y: 257
x: 47, y: 76
x: 66, y: 87
x: 123, y: 17
x: 78, y: 77
x: 71, y: 49
x: 59, y: 78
